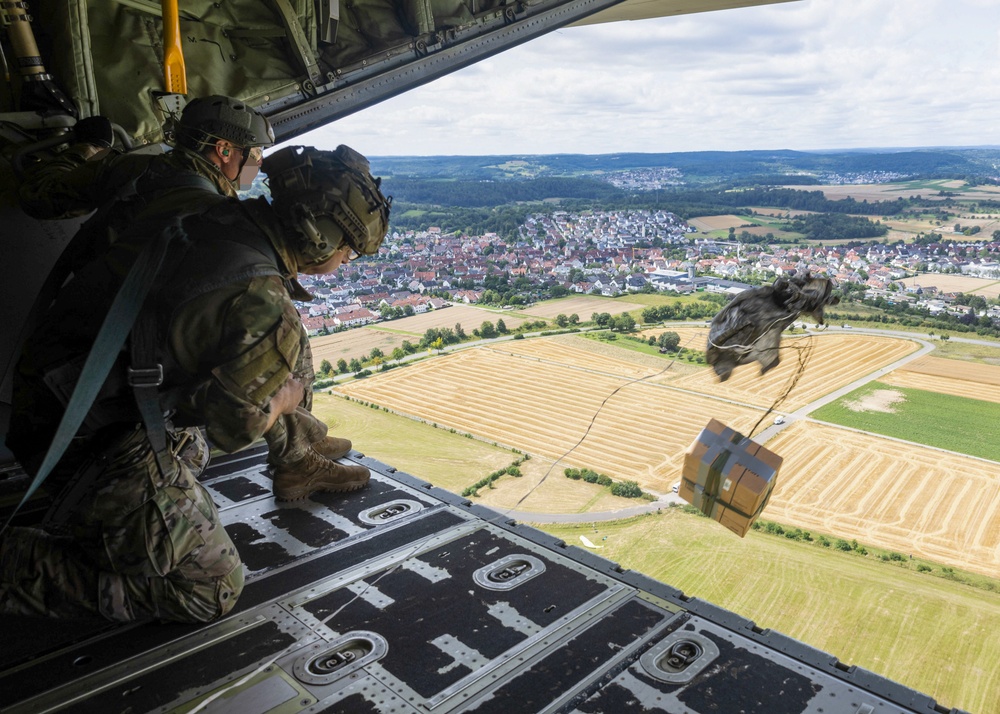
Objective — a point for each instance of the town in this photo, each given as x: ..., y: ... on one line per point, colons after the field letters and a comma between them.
x: 617, y: 252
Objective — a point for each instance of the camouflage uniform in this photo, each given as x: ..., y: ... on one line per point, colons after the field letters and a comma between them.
x: 142, y: 543
x: 75, y: 183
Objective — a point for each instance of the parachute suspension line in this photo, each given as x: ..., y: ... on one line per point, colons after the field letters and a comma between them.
x: 745, y: 348
x: 804, y: 353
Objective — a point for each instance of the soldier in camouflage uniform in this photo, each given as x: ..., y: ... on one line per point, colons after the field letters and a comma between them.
x: 127, y: 538
x: 218, y: 140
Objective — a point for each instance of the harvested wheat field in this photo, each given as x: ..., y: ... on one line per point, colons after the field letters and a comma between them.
x: 986, y: 287
x: 546, y: 409
x: 582, y: 305
x: 470, y: 318
x: 717, y: 223
x: 693, y: 338
x: 835, y: 361
x: 948, y: 376
x: 914, y: 500
x: 586, y: 355
x: 353, y: 343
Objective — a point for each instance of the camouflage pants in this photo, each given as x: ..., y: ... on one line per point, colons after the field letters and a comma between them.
x: 135, y: 544
x: 292, y: 434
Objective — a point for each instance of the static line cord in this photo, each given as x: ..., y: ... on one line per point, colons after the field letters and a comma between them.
x: 804, y: 353
x: 590, y: 426
x: 238, y: 683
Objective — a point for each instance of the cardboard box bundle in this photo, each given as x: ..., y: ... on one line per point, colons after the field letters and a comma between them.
x: 728, y: 477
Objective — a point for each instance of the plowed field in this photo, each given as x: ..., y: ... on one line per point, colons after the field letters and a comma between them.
x: 915, y: 500
x: 582, y: 305
x: 835, y: 361
x: 546, y: 409
x: 948, y: 376
x: 541, y: 396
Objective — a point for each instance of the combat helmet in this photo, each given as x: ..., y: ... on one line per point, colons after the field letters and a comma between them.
x: 329, y: 199
x: 205, y: 120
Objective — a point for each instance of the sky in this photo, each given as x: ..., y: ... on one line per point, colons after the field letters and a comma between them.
x: 806, y: 75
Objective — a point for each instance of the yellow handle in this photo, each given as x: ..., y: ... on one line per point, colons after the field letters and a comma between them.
x: 174, y: 73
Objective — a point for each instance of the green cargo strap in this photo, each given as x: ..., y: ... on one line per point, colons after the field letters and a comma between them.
x: 145, y: 375
x: 297, y: 39
x: 107, y: 344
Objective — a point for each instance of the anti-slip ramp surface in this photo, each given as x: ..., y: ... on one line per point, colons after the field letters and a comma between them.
x: 404, y: 598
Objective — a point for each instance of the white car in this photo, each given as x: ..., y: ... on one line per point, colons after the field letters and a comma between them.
x: 779, y: 420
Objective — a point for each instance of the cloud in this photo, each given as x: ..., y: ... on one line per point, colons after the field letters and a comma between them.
x: 806, y: 75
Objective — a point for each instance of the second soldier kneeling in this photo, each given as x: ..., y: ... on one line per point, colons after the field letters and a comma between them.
x: 220, y: 323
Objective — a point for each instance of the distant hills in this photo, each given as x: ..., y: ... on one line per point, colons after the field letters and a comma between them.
x: 712, y: 167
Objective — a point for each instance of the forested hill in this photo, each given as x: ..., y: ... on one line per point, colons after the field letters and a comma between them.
x: 601, y: 195
x: 705, y: 167
x: 495, y: 193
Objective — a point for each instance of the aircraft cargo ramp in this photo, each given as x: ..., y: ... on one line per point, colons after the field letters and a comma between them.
x: 405, y: 598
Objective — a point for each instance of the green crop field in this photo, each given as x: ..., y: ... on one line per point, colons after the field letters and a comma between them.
x: 931, y: 634
x: 941, y: 420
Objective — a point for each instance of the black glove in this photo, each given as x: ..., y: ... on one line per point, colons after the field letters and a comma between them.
x: 96, y: 131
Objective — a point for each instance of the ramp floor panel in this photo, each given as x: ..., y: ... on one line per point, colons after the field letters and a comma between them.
x: 405, y: 599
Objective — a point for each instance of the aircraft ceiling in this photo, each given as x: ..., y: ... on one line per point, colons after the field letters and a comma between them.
x: 304, y: 63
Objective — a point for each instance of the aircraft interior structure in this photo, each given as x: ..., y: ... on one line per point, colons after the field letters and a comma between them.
x: 401, y: 597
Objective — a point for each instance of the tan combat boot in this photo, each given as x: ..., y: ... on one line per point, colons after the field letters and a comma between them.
x: 333, y: 447
x: 313, y: 472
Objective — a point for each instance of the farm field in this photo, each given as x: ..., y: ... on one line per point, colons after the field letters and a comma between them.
x: 716, y: 223
x: 386, y: 336
x: 586, y: 354
x: 758, y: 225
x: 948, y: 376
x: 955, y: 284
x: 468, y: 316
x: 916, y: 500
x: 448, y: 460
x: 542, y: 399
x: 453, y: 462
x: 545, y: 409
x: 583, y: 305
x: 836, y: 360
x: 865, y: 612
x: 968, y: 353
x: 358, y: 342
x: 892, y: 191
